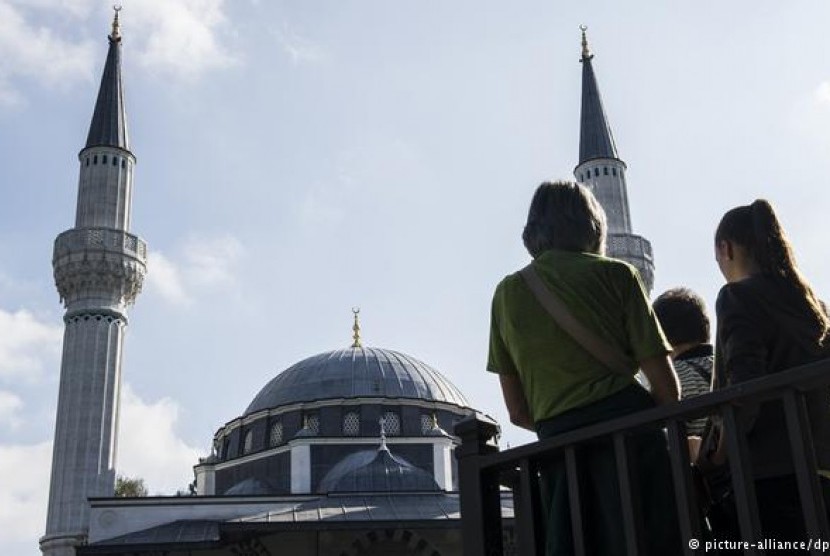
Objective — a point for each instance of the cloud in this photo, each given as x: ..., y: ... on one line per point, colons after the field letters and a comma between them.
x: 10, y: 406
x: 164, y: 278
x: 181, y: 36
x: 204, y: 264
x: 211, y: 262
x: 822, y: 93
x: 26, y: 345
x: 300, y: 49
x: 38, y: 42
x: 148, y: 446
x: 24, y: 492
x: 34, y: 52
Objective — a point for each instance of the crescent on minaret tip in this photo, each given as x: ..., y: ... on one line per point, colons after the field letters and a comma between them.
x: 586, y: 52
x: 116, y: 26
x: 356, y: 328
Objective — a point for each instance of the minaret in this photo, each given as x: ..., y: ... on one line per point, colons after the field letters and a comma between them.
x: 601, y: 169
x: 99, y: 268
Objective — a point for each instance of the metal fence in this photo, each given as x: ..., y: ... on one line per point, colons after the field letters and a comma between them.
x: 483, y: 469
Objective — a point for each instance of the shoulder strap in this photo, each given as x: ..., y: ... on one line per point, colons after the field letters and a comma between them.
x: 596, y: 346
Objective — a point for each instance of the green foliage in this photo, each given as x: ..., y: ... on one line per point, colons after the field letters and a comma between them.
x: 126, y: 487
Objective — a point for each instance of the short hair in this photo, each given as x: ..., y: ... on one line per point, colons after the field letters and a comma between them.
x: 682, y: 314
x: 564, y: 215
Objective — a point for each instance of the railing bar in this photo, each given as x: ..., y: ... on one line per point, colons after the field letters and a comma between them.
x: 687, y: 511
x: 804, y: 461
x: 527, y: 522
x: 572, y: 476
x: 803, y: 377
x: 742, y: 482
x: 629, y: 514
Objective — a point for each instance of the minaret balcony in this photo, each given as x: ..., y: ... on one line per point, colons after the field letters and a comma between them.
x: 99, y: 268
x: 101, y: 239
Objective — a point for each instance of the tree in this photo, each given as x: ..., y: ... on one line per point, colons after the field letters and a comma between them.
x: 126, y: 487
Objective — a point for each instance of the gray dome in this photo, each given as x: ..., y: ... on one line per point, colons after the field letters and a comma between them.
x: 376, y: 471
x: 356, y: 373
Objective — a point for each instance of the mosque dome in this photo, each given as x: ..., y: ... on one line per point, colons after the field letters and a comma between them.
x: 357, y: 372
x: 376, y: 470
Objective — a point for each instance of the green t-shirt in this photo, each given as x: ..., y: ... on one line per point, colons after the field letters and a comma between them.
x: 557, y: 373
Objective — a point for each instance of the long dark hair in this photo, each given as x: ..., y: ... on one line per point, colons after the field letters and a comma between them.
x: 756, y: 228
x: 564, y: 215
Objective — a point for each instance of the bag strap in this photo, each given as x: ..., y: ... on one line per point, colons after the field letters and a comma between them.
x: 596, y: 346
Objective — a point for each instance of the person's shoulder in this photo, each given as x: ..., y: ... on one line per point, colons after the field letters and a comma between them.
x: 603, y: 263
x: 508, y: 285
x: 742, y: 292
x: 617, y: 271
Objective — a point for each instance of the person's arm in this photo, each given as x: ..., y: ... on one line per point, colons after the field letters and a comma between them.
x: 516, y: 402
x: 660, y: 374
x: 500, y: 361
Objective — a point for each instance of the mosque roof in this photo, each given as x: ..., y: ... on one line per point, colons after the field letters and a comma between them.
x: 357, y: 372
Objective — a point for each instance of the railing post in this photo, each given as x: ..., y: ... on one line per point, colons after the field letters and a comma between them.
x: 527, y: 500
x: 632, y: 516
x: 804, y: 462
x: 742, y: 480
x: 684, y: 491
x: 574, y: 497
x: 481, y: 525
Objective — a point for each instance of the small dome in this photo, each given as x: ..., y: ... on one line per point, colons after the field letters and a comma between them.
x: 376, y: 471
x: 251, y: 486
x: 357, y: 372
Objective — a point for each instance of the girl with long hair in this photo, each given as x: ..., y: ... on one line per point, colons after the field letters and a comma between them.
x: 769, y: 320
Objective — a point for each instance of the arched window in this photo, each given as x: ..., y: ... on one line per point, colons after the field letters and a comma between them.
x: 596, y: 172
x: 248, y: 443
x: 426, y: 423
x: 115, y: 161
x: 605, y: 170
x: 95, y: 159
x: 103, y: 159
x: 123, y: 163
x: 313, y: 423
x: 87, y: 161
x: 276, y: 434
x: 391, y: 423
x: 351, y: 424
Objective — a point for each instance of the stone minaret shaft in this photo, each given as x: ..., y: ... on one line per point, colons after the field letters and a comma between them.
x: 601, y: 169
x: 99, y: 268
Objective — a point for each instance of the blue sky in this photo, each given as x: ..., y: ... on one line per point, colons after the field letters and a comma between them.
x: 296, y: 159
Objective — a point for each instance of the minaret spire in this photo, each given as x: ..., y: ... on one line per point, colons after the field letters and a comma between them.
x: 603, y: 171
x: 595, y: 137
x: 109, y: 119
x: 99, y: 267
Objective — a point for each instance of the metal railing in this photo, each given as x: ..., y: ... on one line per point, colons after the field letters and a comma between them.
x: 483, y: 468
x: 105, y: 239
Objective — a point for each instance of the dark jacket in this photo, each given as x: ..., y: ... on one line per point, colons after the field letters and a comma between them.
x: 764, y: 327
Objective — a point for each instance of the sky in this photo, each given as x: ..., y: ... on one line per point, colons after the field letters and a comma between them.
x: 300, y: 158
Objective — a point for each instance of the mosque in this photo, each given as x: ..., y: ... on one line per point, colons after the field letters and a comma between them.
x: 348, y: 452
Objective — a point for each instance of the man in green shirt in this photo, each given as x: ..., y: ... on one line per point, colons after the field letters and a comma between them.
x: 556, y: 372
x: 551, y: 384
